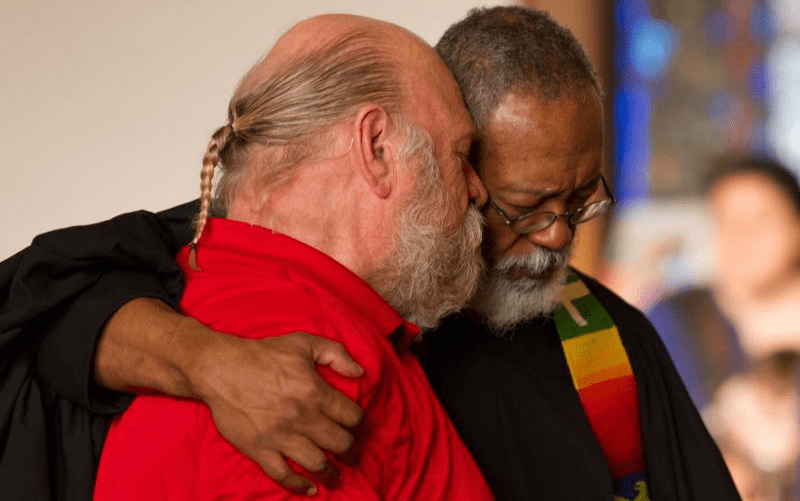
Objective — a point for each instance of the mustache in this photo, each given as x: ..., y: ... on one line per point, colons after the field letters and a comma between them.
x: 538, y: 261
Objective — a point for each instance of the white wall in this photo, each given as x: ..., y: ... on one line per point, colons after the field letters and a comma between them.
x: 106, y: 106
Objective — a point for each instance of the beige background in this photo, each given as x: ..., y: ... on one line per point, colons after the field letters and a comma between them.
x: 106, y: 106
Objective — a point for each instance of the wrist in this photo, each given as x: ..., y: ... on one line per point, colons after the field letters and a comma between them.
x: 203, y: 364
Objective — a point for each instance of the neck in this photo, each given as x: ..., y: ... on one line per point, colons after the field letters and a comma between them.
x: 325, y: 210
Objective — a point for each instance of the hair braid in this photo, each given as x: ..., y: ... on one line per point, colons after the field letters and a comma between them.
x: 278, y: 122
x: 218, y: 142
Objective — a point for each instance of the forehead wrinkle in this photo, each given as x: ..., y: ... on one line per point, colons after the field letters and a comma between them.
x: 513, y: 187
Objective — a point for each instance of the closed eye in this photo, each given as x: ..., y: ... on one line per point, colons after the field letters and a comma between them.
x: 578, y: 201
x: 579, y: 197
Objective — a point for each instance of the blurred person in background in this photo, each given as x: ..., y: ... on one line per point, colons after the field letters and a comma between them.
x: 736, y: 342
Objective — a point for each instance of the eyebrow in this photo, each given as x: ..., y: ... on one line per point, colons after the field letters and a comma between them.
x: 588, y: 184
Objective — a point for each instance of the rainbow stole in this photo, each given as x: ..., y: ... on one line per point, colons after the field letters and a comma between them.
x: 602, y: 374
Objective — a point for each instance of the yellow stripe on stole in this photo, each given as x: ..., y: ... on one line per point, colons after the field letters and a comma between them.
x: 595, y: 357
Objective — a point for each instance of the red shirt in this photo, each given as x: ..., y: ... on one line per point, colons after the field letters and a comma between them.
x: 254, y: 282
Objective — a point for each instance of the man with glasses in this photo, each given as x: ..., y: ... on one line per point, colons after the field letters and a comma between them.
x: 560, y: 389
x: 516, y: 370
x: 507, y: 297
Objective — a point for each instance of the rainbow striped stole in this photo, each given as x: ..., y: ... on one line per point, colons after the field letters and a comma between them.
x: 603, y: 377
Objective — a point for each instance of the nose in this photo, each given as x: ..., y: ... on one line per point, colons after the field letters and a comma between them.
x: 475, y: 188
x: 555, y: 237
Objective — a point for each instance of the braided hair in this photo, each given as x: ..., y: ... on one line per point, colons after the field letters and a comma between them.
x: 285, y: 119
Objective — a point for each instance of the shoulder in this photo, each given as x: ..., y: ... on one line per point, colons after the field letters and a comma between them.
x: 684, y: 304
x: 179, y: 219
x: 254, y: 305
x: 247, y: 294
x: 616, y: 306
x: 630, y: 321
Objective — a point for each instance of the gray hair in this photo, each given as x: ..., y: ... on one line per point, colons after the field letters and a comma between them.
x: 496, y: 50
x: 284, y: 119
x: 433, y: 271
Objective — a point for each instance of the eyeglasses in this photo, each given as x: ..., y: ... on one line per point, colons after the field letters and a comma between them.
x: 531, y: 222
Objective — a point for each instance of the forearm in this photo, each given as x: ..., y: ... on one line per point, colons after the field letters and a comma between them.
x: 146, y: 346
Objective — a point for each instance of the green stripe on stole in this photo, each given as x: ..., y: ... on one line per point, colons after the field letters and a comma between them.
x: 603, y: 377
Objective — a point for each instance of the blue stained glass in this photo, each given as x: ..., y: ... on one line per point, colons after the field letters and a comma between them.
x: 653, y: 46
x: 632, y: 102
x: 762, y: 23
x: 628, y: 12
x: 757, y: 81
x: 621, y: 57
x: 632, y: 149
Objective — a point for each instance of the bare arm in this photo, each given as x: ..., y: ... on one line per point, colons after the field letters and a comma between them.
x: 70, y: 298
x: 265, y: 396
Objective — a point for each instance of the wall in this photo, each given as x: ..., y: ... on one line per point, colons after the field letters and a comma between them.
x: 107, y: 106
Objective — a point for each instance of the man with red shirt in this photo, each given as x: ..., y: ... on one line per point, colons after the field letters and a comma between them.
x: 345, y: 209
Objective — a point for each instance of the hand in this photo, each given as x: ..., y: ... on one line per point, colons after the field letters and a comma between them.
x: 267, y: 400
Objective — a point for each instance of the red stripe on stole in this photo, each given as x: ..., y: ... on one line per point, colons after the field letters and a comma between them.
x: 612, y: 407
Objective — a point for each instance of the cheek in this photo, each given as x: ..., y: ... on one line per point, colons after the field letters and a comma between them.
x: 497, y: 240
x: 782, y: 249
x: 763, y: 252
x: 454, y: 179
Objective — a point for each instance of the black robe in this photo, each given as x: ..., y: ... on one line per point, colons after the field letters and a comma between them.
x: 55, y: 297
x: 513, y: 403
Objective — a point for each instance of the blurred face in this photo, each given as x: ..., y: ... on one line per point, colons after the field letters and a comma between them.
x: 535, y: 156
x: 756, y: 229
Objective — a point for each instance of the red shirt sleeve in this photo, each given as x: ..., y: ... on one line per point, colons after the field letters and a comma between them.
x: 168, y: 448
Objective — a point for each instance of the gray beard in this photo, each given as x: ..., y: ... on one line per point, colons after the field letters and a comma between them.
x: 504, y: 301
x: 433, y: 271
x: 433, y: 274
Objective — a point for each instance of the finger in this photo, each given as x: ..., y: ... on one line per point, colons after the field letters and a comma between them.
x: 327, y: 352
x: 340, y: 409
x: 275, y: 466
x: 351, y: 456
x: 328, y: 435
x: 303, y: 452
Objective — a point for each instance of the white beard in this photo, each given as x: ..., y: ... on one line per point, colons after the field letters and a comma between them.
x: 503, y: 301
x: 432, y: 271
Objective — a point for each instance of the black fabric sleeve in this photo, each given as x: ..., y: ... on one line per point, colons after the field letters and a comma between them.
x: 65, y: 357
x: 58, y: 293
x: 55, y: 297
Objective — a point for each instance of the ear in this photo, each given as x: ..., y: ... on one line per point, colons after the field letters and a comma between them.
x: 373, y: 149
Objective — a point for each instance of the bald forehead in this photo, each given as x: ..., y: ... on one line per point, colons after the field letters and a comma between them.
x: 435, y: 93
x: 320, y: 33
